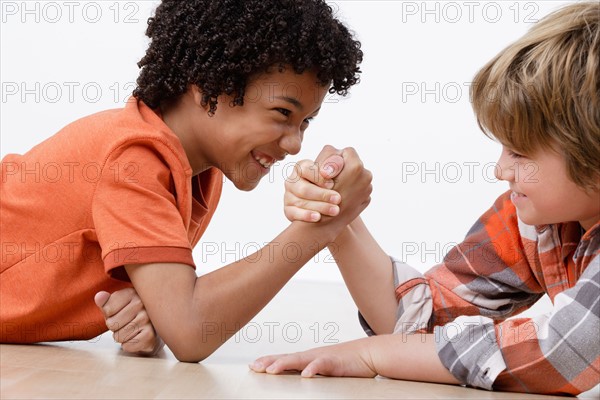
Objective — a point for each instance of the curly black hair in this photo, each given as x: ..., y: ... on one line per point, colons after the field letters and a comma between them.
x: 219, y: 45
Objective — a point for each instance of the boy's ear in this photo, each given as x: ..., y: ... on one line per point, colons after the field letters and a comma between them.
x: 196, y: 93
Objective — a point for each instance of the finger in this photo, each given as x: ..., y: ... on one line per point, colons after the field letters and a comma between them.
x: 260, y: 364
x: 132, y: 312
x: 101, y: 298
x: 309, y: 211
x: 305, y: 170
x: 353, y: 166
x: 152, y: 344
x: 306, y: 190
x: 327, y: 152
x: 332, y: 166
x: 291, y: 362
x: 144, y: 342
x: 350, y: 156
x: 311, y: 172
x: 321, y: 366
x: 117, y: 300
x: 125, y: 331
x: 298, y: 214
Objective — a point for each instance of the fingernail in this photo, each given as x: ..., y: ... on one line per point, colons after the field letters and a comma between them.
x: 314, y: 216
x: 334, y: 210
x: 335, y: 199
x: 256, y: 365
x: 270, y: 369
x: 328, y: 170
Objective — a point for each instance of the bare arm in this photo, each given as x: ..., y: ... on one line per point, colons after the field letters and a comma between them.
x: 408, y: 357
x: 365, y: 267
x: 195, y: 315
x: 367, y: 272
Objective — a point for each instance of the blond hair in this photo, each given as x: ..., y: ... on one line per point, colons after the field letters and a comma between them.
x: 543, y: 91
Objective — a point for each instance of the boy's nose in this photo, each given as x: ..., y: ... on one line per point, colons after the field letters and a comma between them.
x: 291, y: 142
x: 505, y: 169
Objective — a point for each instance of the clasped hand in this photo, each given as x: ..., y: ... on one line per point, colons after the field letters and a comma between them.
x: 336, y: 184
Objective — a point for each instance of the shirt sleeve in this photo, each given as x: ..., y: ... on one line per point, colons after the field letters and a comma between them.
x: 554, y: 353
x: 137, y: 210
x: 487, y: 278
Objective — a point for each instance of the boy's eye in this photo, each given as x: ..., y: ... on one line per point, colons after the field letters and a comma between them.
x: 284, y: 111
x: 513, y: 154
x: 307, y: 120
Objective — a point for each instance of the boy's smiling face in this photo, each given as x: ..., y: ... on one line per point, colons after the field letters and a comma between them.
x: 542, y: 191
x: 245, y: 141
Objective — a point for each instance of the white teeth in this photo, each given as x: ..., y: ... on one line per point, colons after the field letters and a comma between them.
x: 263, y: 161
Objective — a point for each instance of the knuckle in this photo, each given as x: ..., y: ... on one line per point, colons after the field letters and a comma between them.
x: 303, y: 191
x: 297, y: 202
x: 129, y: 347
x: 136, y: 302
x: 304, y: 164
x: 108, y: 310
x: 143, y: 317
x: 112, y: 324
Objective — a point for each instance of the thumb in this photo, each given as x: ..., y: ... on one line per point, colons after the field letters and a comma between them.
x: 332, y: 166
x: 101, y: 298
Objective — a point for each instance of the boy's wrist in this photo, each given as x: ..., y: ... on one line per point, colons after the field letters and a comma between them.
x: 323, y: 232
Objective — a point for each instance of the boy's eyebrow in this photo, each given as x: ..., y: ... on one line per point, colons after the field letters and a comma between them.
x: 292, y: 101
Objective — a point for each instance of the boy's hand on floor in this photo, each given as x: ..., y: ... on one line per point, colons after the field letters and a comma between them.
x: 344, y: 359
x: 308, y: 191
x: 127, y: 318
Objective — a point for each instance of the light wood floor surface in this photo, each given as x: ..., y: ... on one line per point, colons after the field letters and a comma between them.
x: 302, y: 316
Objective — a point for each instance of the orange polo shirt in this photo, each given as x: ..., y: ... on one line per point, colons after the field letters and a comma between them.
x: 110, y: 189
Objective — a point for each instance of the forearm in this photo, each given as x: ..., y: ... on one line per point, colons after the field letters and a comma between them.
x: 409, y: 357
x: 231, y: 296
x: 196, y: 315
x: 367, y: 272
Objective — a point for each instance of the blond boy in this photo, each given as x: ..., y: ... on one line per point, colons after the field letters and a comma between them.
x: 540, y: 98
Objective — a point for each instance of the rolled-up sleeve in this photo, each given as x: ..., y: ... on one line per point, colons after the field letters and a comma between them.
x: 471, y: 302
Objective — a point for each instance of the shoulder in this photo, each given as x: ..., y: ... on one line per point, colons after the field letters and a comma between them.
x: 135, y: 133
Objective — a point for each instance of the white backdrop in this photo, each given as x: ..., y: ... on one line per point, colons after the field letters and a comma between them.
x: 410, y: 117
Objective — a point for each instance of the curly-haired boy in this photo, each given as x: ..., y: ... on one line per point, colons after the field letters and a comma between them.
x: 226, y: 88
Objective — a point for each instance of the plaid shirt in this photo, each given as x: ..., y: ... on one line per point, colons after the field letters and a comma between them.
x: 502, y: 268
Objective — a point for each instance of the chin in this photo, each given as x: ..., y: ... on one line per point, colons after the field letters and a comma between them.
x: 529, y: 220
x: 246, y: 186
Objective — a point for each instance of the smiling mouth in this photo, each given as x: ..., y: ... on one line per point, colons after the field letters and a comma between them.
x: 518, y: 194
x: 264, y: 160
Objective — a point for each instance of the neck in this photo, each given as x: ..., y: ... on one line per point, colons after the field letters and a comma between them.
x: 183, y: 119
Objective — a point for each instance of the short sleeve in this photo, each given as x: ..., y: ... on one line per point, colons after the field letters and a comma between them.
x: 139, y: 209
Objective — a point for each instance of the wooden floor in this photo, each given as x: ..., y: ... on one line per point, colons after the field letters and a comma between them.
x: 304, y: 315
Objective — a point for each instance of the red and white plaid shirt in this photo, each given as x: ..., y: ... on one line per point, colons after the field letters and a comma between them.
x: 501, y: 268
